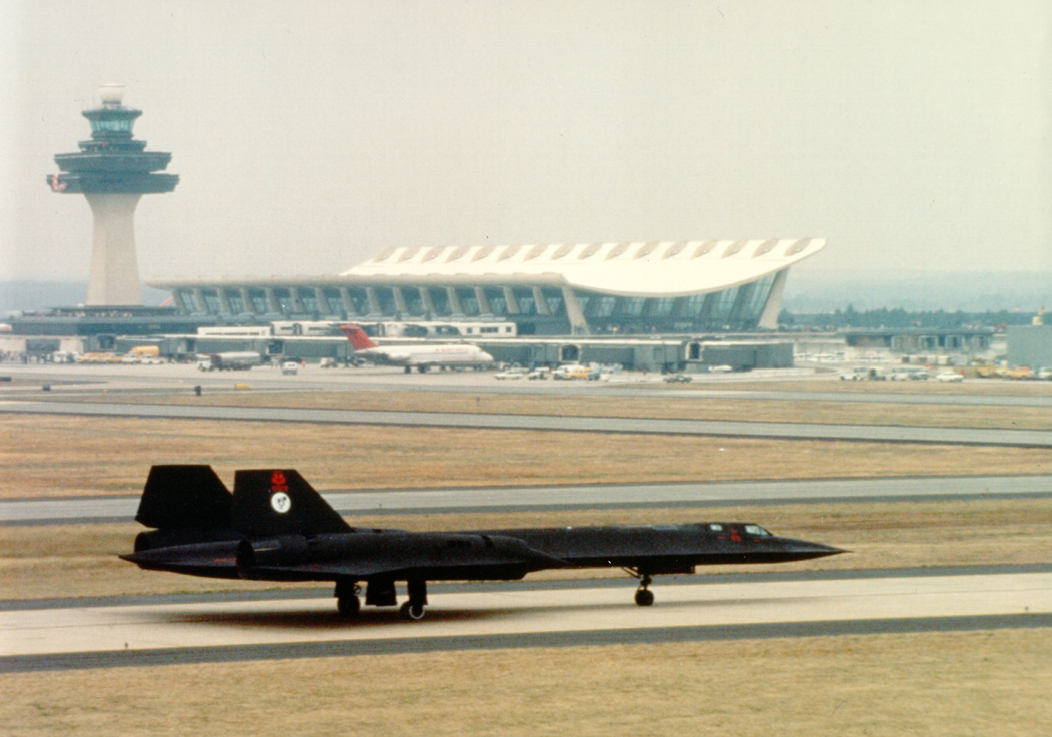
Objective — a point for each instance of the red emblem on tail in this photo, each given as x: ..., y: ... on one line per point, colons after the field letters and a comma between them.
x: 278, y: 481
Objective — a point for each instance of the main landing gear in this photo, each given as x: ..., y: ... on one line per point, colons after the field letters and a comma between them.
x: 347, y: 601
x: 413, y: 611
x: 644, y: 596
x: 381, y: 593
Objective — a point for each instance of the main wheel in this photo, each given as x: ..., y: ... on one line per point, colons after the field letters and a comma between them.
x: 349, y: 606
x: 412, y: 611
x: 644, y: 597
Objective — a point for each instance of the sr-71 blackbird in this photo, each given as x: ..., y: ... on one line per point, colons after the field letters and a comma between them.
x: 276, y: 527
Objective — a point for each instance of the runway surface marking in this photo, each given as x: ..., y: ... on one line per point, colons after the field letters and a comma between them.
x: 510, y: 613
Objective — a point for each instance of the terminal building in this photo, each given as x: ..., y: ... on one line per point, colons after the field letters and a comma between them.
x: 546, y: 290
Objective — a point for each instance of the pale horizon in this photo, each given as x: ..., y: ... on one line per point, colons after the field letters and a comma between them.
x: 308, y: 137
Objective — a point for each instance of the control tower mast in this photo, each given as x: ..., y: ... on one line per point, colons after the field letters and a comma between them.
x: 113, y: 171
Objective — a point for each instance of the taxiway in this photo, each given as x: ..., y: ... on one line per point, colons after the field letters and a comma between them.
x: 231, y: 628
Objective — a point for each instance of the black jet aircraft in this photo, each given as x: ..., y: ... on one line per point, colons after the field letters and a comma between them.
x: 276, y: 527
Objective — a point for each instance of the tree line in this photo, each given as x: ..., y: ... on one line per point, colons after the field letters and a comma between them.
x: 897, y: 317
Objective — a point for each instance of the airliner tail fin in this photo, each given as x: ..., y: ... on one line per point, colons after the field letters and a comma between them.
x: 357, y: 336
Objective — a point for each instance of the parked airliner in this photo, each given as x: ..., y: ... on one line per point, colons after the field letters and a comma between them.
x: 423, y: 355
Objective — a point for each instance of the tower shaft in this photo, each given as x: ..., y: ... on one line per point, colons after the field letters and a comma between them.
x: 114, y: 278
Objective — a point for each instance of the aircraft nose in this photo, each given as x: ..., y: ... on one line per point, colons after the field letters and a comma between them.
x: 814, y: 550
x: 795, y: 549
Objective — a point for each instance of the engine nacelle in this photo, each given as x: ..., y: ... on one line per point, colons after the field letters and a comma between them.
x: 288, y: 550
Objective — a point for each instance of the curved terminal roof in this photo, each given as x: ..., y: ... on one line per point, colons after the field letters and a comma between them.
x: 643, y: 269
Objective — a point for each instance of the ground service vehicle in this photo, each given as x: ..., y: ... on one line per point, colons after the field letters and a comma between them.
x: 910, y: 373
x: 864, y: 373
x: 229, y: 361
x: 143, y: 354
x: 571, y: 371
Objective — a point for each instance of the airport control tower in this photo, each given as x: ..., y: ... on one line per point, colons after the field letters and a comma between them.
x: 113, y: 171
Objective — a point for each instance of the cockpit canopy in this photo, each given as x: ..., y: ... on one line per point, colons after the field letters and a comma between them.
x: 750, y: 529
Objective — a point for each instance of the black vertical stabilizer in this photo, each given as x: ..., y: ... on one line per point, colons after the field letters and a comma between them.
x: 181, y: 497
x: 281, y: 502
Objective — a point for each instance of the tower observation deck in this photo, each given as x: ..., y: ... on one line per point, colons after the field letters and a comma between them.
x: 113, y: 171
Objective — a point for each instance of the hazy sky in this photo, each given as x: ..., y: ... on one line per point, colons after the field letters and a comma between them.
x: 310, y: 135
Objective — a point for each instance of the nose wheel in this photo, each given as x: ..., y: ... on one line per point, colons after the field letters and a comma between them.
x: 644, y: 596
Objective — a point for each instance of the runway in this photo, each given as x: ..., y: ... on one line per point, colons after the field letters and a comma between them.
x: 637, y: 426
x: 584, y: 496
x: 590, y: 612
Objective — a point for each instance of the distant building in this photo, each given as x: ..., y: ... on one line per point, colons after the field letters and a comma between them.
x: 573, y: 289
x: 1030, y: 345
x: 922, y: 340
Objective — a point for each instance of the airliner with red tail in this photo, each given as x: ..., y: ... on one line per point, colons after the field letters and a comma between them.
x: 422, y: 355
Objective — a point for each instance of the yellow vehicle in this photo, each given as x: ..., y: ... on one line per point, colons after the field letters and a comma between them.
x: 1019, y: 372
x: 143, y: 354
x: 982, y: 370
x: 571, y: 371
x: 99, y: 357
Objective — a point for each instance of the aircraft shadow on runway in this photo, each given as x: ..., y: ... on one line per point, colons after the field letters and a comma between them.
x: 389, y: 617
x: 317, y: 620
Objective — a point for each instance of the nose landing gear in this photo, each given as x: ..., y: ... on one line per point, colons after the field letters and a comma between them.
x: 644, y: 596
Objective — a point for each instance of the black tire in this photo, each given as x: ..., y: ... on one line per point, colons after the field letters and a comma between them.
x: 644, y: 597
x: 412, y: 611
x: 349, y: 606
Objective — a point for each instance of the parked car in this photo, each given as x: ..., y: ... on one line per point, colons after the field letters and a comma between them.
x: 950, y: 376
x: 290, y: 368
x: 677, y: 379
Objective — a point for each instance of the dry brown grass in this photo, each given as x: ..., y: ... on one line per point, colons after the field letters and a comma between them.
x: 936, y: 685
x: 69, y: 456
